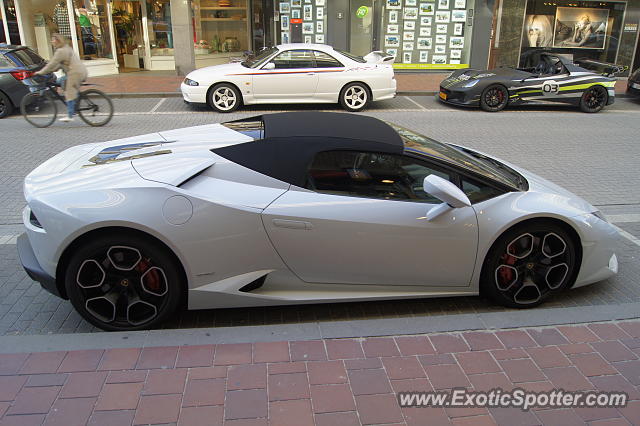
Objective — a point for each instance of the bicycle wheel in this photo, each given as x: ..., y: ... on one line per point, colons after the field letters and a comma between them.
x: 95, y: 107
x: 39, y: 109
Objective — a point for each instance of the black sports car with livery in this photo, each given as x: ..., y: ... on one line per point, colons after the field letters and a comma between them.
x: 554, y: 78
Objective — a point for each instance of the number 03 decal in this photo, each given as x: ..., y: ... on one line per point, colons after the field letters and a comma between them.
x: 550, y: 88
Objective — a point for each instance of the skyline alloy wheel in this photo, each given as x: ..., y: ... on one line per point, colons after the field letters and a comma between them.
x: 594, y: 99
x: 529, y: 263
x: 494, y: 98
x: 354, y: 97
x: 224, y: 98
x: 123, y: 284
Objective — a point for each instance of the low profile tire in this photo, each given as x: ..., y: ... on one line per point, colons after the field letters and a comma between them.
x: 494, y: 98
x: 225, y: 98
x: 6, y: 107
x: 594, y: 99
x: 529, y: 263
x: 123, y: 283
x: 355, y: 97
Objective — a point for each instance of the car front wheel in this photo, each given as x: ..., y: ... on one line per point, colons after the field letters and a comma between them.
x: 123, y: 283
x: 494, y: 98
x: 224, y: 98
x: 354, y: 97
x: 529, y: 263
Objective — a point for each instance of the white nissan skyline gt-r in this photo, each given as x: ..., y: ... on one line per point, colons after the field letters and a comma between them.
x: 294, y: 73
x: 295, y: 208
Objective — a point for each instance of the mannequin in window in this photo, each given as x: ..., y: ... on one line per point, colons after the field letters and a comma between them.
x: 88, y: 40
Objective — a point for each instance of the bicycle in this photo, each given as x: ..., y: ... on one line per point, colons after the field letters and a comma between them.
x: 39, y: 107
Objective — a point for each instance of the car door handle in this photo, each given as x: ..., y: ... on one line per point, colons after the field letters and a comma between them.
x: 291, y: 224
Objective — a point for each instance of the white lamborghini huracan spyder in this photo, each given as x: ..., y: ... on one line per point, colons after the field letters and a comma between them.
x: 294, y: 208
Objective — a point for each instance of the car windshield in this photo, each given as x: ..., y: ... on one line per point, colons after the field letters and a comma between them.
x: 27, y: 57
x: 352, y: 56
x: 254, y: 61
x: 461, y: 157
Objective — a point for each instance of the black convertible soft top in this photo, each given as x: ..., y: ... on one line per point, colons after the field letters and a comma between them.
x: 292, y: 139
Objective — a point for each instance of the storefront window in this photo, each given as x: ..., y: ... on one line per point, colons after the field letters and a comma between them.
x: 428, y: 35
x: 221, y: 26
x: 576, y: 29
x: 12, y: 21
x: 92, y: 28
x: 159, y: 21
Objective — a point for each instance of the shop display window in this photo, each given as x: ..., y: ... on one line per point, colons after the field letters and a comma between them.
x: 432, y: 34
x: 12, y: 22
x: 220, y: 26
x: 159, y: 22
x: 92, y: 28
x: 583, y: 29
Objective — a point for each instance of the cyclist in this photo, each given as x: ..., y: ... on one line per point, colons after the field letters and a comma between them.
x: 74, y: 70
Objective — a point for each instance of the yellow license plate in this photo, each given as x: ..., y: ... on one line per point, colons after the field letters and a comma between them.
x: 443, y: 96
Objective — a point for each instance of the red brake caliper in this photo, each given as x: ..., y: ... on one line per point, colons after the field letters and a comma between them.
x: 506, y: 274
x: 152, y: 279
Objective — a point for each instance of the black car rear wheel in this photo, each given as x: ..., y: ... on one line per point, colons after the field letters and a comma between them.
x: 594, y: 99
x: 6, y: 107
x: 494, y: 98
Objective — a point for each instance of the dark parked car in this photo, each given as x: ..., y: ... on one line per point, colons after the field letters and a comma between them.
x: 633, y: 86
x: 17, y: 63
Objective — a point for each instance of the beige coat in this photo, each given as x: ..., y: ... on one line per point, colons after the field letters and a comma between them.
x: 76, y: 72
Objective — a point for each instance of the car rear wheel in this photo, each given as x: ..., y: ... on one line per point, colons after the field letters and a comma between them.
x: 494, y: 98
x: 529, y: 263
x: 594, y: 99
x: 224, y: 98
x: 123, y: 283
x: 354, y: 97
x: 6, y: 107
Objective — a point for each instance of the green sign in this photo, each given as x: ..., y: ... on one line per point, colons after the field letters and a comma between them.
x: 362, y: 12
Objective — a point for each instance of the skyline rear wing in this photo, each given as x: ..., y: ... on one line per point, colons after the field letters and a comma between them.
x: 379, y: 57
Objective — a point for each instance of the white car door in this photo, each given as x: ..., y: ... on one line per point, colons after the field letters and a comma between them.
x: 292, y: 77
x: 364, y: 223
x: 330, y: 76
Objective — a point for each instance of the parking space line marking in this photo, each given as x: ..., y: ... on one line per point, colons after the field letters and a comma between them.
x: 623, y: 218
x: 8, y: 239
x: 160, y: 102
x: 627, y: 235
x: 414, y: 102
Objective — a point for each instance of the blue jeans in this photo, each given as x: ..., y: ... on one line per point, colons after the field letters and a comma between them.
x: 71, y: 105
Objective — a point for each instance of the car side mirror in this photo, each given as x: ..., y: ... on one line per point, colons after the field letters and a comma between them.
x: 269, y: 66
x: 445, y: 191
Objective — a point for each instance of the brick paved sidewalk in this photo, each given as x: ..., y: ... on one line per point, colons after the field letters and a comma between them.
x: 169, y: 82
x: 331, y: 382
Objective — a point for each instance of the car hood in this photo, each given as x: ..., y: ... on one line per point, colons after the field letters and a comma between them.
x: 207, y: 73
x: 460, y: 78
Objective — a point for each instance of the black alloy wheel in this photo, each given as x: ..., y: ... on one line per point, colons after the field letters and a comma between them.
x: 6, y: 107
x: 594, y: 99
x: 494, y: 98
x: 529, y: 263
x: 123, y: 283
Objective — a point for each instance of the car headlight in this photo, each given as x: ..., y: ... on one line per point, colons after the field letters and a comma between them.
x: 599, y: 215
x: 190, y: 82
x: 471, y: 83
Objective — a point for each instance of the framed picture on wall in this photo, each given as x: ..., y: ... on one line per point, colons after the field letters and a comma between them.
x: 285, y: 7
x: 295, y: 13
x: 320, y: 27
x: 456, y: 42
x: 284, y: 36
x: 394, y: 4
x: 425, y: 31
x: 458, y: 15
x: 442, y: 29
x: 410, y: 2
x: 443, y: 4
x: 319, y: 12
x: 460, y: 4
x: 408, y: 36
x: 296, y: 3
x: 284, y: 22
x: 407, y: 45
x: 393, y: 28
x: 307, y: 28
x: 393, y: 16
x: 443, y: 16
x: 456, y: 53
x: 454, y: 61
x: 307, y: 39
x: 458, y: 29
x: 425, y: 20
x: 410, y: 13
x: 424, y: 56
x: 320, y: 38
x: 393, y: 52
x: 392, y: 40
x: 406, y: 57
x: 427, y: 8
x: 439, y: 59
x: 441, y: 38
x: 320, y: 2
x: 424, y: 43
x: 440, y: 48
x: 409, y: 25
x: 307, y: 12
